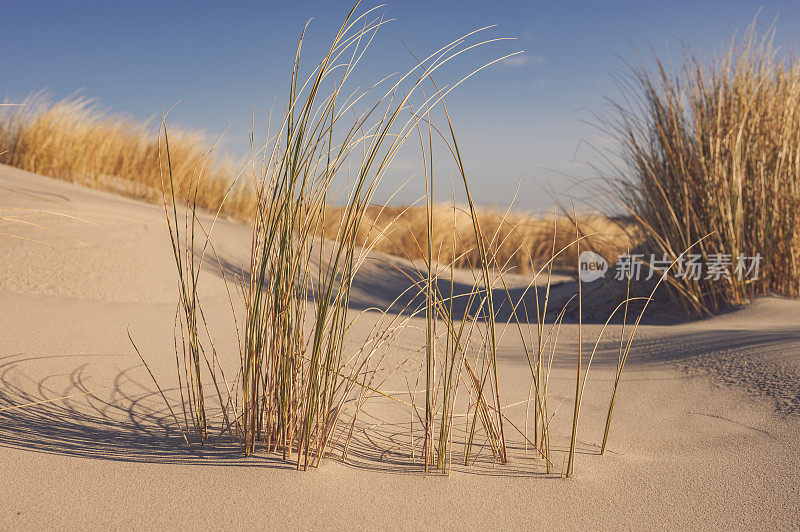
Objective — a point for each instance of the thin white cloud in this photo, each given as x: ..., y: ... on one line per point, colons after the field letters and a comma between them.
x: 515, y: 61
x: 524, y: 59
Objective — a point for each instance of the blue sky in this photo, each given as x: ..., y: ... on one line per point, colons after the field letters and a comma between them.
x: 518, y: 123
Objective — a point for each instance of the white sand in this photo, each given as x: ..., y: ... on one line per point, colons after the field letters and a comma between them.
x: 705, y: 432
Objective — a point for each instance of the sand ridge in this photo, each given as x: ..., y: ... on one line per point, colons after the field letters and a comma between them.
x: 687, y: 449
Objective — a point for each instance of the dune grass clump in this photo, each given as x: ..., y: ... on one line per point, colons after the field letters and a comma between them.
x: 485, y: 403
x: 75, y: 140
x: 714, y: 148
x: 402, y: 231
x: 295, y: 381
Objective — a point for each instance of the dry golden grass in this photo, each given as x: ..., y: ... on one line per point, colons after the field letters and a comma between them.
x: 518, y: 241
x: 714, y: 149
x: 74, y: 140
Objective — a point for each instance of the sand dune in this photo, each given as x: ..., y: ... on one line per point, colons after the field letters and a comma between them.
x: 705, y: 431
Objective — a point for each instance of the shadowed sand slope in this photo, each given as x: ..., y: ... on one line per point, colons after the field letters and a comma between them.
x: 685, y: 450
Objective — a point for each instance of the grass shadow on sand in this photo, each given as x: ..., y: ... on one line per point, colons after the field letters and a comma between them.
x: 128, y: 422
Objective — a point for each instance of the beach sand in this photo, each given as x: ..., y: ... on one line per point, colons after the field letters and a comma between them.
x: 705, y: 430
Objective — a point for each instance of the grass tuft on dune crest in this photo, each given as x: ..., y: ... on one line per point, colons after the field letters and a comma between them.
x: 713, y: 148
x: 76, y: 140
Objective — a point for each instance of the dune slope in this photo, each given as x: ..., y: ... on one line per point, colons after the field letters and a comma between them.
x: 705, y: 430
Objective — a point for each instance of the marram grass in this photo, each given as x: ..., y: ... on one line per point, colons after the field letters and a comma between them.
x: 713, y: 148
x: 294, y: 380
